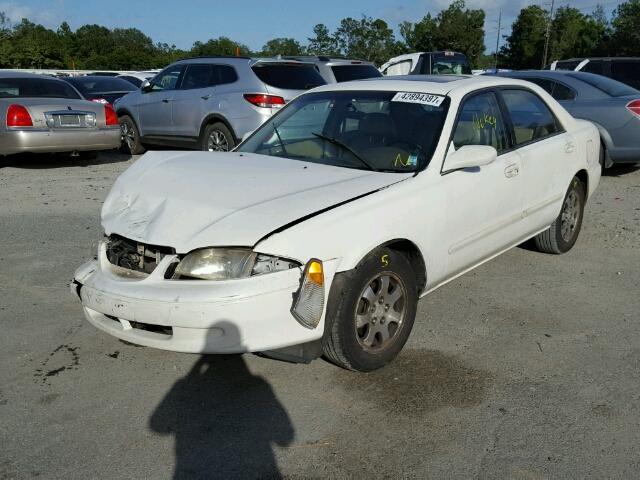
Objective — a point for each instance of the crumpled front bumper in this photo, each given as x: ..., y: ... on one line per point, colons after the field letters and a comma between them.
x: 195, y: 316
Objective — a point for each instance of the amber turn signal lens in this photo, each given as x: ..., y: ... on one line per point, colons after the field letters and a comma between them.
x: 315, y: 273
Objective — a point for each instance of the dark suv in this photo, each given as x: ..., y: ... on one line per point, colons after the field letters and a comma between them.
x: 622, y: 69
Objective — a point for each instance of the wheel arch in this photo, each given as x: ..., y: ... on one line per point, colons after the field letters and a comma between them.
x: 583, y: 176
x: 217, y: 118
x: 411, y: 252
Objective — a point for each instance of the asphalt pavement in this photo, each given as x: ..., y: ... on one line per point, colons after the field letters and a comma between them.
x: 526, y: 368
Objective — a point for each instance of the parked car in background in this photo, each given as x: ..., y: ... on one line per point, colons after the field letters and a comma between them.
x: 612, y: 106
x: 210, y: 103
x: 138, y: 78
x: 622, y: 69
x: 428, y: 63
x: 101, y: 89
x: 42, y: 114
x: 320, y: 236
x: 337, y: 70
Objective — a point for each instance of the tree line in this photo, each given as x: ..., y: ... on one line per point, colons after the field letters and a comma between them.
x: 571, y: 32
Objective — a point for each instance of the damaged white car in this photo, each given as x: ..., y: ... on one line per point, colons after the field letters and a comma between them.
x: 321, y: 231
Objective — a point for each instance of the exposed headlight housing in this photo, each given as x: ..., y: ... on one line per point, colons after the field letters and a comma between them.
x: 309, y: 302
x: 228, y: 264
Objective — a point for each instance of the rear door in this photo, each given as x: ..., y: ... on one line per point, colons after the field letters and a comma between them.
x: 483, y: 205
x: 545, y: 148
x: 155, y: 104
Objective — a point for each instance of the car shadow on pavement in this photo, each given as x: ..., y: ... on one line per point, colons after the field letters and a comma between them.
x: 224, y: 420
x: 49, y: 161
x: 620, y: 169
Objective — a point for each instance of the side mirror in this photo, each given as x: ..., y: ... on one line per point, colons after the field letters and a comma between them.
x: 470, y: 156
x: 146, y: 86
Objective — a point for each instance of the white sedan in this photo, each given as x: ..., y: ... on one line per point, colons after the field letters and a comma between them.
x: 321, y: 231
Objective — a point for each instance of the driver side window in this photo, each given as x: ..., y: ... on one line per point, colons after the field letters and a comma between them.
x: 167, y: 80
x: 480, y: 123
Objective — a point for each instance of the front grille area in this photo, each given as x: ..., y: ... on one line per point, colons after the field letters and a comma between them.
x: 136, y: 256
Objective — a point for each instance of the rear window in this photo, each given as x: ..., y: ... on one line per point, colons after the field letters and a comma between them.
x: 288, y: 76
x: 605, y: 84
x: 567, y: 65
x: 102, y: 84
x: 36, y: 87
x: 450, y: 65
x: 344, y: 73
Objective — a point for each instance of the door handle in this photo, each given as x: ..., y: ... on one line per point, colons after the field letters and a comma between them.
x: 569, y: 147
x: 166, y: 100
x: 206, y: 97
x: 511, y: 171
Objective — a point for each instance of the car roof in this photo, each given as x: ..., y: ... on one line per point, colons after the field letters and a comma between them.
x: 19, y: 74
x: 326, y: 59
x: 435, y: 84
x: 240, y: 60
x: 579, y: 59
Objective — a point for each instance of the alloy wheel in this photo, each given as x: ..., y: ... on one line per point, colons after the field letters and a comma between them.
x: 570, y: 216
x: 380, y: 312
x: 217, y: 142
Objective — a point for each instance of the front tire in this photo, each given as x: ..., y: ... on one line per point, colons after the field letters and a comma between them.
x: 372, y: 309
x: 564, y: 231
x: 217, y: 138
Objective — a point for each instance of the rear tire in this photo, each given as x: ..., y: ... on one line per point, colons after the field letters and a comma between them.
x: 130, y: 134
x: 217, y: 138
x: 371, y: 311
x: 564, y: 231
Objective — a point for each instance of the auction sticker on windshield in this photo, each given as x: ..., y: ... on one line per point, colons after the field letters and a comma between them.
x: 421, y: 98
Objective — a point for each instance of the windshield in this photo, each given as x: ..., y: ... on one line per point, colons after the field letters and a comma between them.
x: 382, y: 131
x: 36, y: 87
x: 101, y: 84
x: 288, y: 75
x: 344, y: 73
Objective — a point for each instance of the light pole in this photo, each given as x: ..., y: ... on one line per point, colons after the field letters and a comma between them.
x: 547, y: 35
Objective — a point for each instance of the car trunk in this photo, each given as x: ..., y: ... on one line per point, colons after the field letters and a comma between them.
x: 63, y: 113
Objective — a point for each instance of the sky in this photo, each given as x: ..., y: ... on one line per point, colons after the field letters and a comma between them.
x: 251, y: 22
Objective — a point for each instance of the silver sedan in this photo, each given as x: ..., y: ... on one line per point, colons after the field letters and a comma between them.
x: 40, y: 114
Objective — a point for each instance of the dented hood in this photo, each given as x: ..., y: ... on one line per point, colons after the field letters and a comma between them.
x: 189, y: 200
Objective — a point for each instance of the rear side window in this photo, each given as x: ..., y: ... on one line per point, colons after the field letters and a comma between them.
x: 36, y: 87
x: 567, y: 65
x: 531, y: 118
x: 607, y: 85
x: 288, y: 76
x: 562, y: 92
x: 555, y: 89
x: 593, y: 66
x: 480, y: 123
x: 626, y: 71
x: 344, y: 73
x: 207, y: 75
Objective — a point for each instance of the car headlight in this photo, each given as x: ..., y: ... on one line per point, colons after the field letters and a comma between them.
x: 228, y: 264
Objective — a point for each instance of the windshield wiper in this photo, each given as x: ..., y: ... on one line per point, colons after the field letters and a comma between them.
x: 275, y: 129
x: 347, y: 148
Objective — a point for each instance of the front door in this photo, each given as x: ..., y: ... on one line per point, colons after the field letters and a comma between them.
x: 155, y: 106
